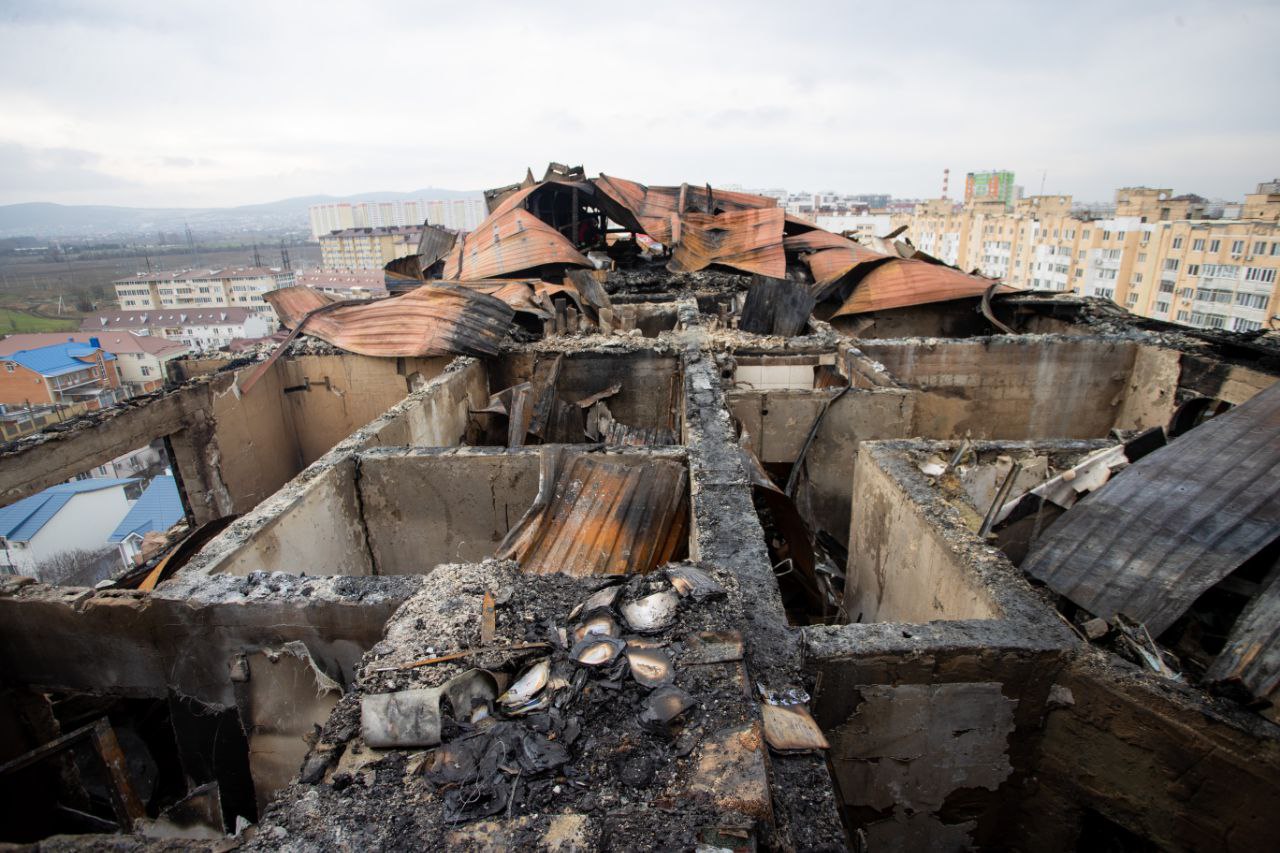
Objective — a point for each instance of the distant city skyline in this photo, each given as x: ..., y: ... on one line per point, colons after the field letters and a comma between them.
x: 166, y: 105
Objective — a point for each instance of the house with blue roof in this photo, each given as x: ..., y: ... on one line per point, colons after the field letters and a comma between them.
x: 63, y: 373
x: 81, y: 515
x: 159, y: 509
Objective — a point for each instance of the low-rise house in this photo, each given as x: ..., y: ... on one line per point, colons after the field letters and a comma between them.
x: 140, y: 358
x: 61, y: 374
x: 198, y: 328
x: 159, y: 509
x: 39, y: 532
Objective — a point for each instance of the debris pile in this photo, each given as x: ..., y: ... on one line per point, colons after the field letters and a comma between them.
x: 540, y: 697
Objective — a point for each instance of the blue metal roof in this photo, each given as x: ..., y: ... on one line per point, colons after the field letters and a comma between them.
x: 22, y: 520
x: 159, y: 508
x: 56, y: 359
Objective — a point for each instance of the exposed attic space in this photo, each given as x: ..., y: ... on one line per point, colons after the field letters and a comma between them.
x: 803, y: 626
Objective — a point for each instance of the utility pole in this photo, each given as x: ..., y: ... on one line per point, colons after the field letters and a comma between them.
x: 284, y: 257
x: 257, y: 258
x: 191, y: 244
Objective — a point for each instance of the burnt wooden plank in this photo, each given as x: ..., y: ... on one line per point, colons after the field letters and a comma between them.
x: 776, y: 306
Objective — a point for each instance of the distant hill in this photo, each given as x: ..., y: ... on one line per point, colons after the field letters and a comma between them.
x: 44, y: 219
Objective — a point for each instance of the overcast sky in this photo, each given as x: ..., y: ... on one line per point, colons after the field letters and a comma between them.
x: 220, y: 103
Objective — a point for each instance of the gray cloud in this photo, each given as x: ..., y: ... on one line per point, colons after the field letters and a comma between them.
x: 239, y: 102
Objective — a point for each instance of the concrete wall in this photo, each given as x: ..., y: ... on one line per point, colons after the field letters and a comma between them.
x: 1158, y: 759
x: 125, y: 643
x: 901, y: 566
x: 932, y: 730
x: 1012, y: 387
x: 779, y: 423
x: 359, y: 388
x: 424, y: 510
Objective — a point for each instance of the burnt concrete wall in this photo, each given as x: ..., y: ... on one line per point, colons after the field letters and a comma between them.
x: 780, y: 421
x: 314, y: 524
x: 345, y: 392
x: 126, y: 643
x: 1157, y: 759
x: 933, y: 728
x: 1011, y: 387
x: 423, y: 509
x: 902, y: 567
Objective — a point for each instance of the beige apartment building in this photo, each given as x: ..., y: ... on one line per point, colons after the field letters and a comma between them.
x: 228, y: 288
x: 1156, y: 255
x: 368, y: 248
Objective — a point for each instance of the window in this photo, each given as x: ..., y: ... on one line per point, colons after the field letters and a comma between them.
x: 1106, y: 235
x: 1162, y: 307
x: 146, y: 371
x: 1183, y: 316
x: 1193, y: 269
x: 1259, y: 248
x: 1197, y: 245
x: 1131, y: 300
x: 1275, y: 248
x: 1237, y: 247
x: 1186, y: 293
x: 1251, y: 300
x: 1171, y: 264
x: 1177, y: 242
x: 1142, y: 257
x: 1265, y: 276
x: 1242, y: 325
x: 1166, y: 287
x: 1215, y: 245
x: 1137, y: 278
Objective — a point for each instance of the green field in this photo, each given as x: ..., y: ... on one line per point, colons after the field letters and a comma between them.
x: 20, y: 321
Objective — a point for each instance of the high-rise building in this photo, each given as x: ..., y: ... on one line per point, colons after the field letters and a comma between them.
x: 1155, y: 254
x: 988, y: 186
x: 460, y: 214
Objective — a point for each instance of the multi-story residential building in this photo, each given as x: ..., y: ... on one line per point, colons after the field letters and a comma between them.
x: 241, y: 287
x: 368, y: 248
x: 65, y: 373
x: 460, y: 214
x: 199, y: 329
x: 989, y: 186
x: 1152, y: 252
x: 140, y: 359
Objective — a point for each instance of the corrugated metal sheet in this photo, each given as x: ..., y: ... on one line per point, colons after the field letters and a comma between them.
x: 435, y: 319
x: 1173, y: 524
x: 600, y: 515
x: 434, y: 244
x: 747, y: 240
x: 653, y: 209
x: 507, y: 244
x: 900, y: 283
x: 831, y: 265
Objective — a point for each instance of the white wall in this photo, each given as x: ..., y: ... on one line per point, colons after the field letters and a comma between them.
x: 84, y: 522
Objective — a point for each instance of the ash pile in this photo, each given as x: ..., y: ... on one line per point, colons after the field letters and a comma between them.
x: 580, y: 713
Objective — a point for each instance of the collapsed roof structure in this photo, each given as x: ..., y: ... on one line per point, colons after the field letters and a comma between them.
x: 651, y: 517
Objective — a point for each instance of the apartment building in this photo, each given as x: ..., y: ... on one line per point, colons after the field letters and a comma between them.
x: 339, y: 216
x: 1156, y: 254
x: 368, y: 248
x: 200, y: 329
x: 996, y: 185
x: 224, y: 288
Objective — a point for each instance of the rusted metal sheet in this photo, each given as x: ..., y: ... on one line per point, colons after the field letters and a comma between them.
x: 653, y: 210
x: 1167, y: 528
x: 600, y: 515
x: 900, y: 283
x: 747, y: 240
x: 435, y: 319
x: 509, y: 243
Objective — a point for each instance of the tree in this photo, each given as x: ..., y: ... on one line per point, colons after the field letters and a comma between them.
x: 81, y: 567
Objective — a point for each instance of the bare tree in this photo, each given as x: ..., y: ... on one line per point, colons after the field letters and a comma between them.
x: 81, y: 567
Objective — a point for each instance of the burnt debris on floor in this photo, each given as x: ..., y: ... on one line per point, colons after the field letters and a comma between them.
x: 651, y: 517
